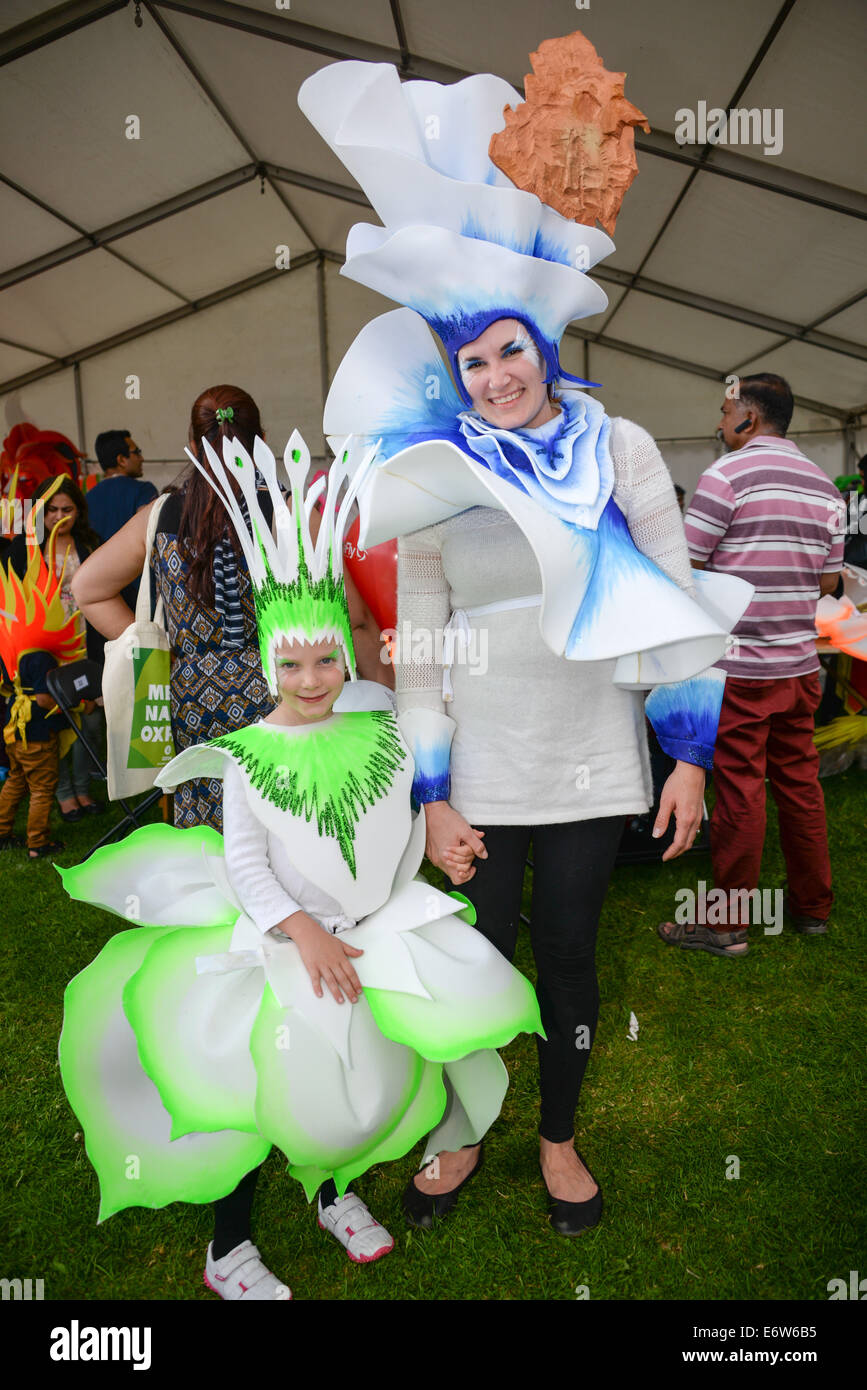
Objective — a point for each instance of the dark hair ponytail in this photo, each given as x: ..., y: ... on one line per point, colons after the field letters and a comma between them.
x: 204, y: 522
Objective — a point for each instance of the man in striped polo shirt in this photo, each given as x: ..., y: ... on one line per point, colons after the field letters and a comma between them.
x: 767, y: 514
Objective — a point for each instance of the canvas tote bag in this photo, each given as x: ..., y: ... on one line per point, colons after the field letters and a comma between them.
x: 135, y: 689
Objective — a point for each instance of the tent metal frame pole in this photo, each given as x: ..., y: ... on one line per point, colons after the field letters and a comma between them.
x: 79, y: 406
x: 316, y: 257
x: 218, y: 106
x: 282, y: 28
x: 729, y: 164
x: 90, y: 241
x: 711, y: 159
x: 702, y: 157
x: 54, y: 24
x: 23, y: 38
x: 84, y: 236
x: 129, y: 335
x: 691, y: 300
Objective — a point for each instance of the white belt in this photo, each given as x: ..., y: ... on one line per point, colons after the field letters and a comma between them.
x: 457, y: 629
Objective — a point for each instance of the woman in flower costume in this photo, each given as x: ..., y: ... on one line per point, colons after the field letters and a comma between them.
x: 539, y: 539
x: 205, y: 1035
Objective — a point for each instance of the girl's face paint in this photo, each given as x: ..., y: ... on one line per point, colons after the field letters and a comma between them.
x: 310, y: 678
x: 503, y: 373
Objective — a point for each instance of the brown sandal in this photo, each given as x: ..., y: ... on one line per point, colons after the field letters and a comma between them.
x: 691, y: 937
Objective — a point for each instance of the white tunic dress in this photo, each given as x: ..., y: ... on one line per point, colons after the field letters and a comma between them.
x: 539, y: 739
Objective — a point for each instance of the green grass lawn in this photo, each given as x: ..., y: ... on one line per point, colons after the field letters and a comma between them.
x: 761, y: 1059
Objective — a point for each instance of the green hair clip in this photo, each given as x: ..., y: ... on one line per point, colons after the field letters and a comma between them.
x: 227, y: 414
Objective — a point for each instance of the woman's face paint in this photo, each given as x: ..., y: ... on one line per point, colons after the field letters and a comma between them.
x: 503, y: 373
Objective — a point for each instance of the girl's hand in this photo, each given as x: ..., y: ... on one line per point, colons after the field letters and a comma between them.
x: 683, y: 794
x: 451, y: 843
x: 324, y: 956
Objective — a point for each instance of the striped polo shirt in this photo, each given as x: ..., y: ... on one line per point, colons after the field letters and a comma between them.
x: 769, y: 515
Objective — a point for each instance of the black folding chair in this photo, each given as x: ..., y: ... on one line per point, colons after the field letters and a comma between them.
x: 68, y: 686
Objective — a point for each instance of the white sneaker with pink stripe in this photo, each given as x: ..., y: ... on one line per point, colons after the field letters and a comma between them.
x: 241, y: 1275
x: 351, y: 1223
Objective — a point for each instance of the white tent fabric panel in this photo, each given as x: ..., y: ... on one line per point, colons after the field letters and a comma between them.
x: 615, y: 293
x: 57, y: 312
x: 825, y: 376
x: 68, y: 103
x: 689, y: 334
x: 265, y: 342
x: 728, y: 240
x: 49, y: 403
x: 15, y: 362
x: 646, y: 392
x: 19, y: 11
x: 257, y: 82
x: 218, y: 242
x: 812, y: 74
x: 350, y: 307
x: 25, y: 226
x: 328, y: 219
x: 694, y: 51
x: 647, y: 203
x: 851, y: 323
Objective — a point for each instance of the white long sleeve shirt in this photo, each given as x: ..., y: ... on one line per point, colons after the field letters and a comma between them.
x: 539, y: 739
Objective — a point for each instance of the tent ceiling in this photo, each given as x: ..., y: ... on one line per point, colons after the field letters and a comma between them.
x: 712, y: 267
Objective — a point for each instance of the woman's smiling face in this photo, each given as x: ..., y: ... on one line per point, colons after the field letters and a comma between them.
x: 503, y: 374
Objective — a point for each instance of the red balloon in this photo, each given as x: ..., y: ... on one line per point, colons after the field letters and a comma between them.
x: 375, y: 574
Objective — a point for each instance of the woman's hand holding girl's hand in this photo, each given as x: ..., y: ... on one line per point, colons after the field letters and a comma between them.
x: 683, y: 794
x: 451, y: 843
x: 325, y: 957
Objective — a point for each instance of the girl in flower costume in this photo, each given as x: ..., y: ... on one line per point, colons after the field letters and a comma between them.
x: 204, y: 1035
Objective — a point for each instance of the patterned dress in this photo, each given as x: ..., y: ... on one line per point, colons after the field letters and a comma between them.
x: 214, y: 689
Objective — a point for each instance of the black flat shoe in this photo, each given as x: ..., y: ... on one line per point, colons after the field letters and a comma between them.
x: 420, y: 1210
x: 77, y: 814
x: 571, y: 1218
x: 93, y: 808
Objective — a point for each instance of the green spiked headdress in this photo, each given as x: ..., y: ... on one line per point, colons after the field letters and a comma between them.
x: 297, y: 586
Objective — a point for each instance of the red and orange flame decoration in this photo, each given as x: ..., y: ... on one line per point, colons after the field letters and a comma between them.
x: 31, y: 613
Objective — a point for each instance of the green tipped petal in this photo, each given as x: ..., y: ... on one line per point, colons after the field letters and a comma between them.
x: 158, y: 876
x: 453, y: 1022
x: 127, y: 1129
x: 380, y: 1106
x: 193, y: 1031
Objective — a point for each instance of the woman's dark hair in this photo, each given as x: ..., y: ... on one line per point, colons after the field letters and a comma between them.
x: 204, y: 522
x: 82, y: 532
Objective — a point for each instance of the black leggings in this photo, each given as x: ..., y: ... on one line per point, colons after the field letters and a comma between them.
x: 572, y: 864
x: 232, y: 1213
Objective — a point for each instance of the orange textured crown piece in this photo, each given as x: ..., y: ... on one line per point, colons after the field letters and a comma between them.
x: 572, y: 141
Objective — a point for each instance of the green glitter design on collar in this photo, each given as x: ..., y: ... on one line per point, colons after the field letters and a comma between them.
x: 335, y: 773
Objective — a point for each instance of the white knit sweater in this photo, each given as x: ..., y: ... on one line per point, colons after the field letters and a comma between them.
x: 539, y: 739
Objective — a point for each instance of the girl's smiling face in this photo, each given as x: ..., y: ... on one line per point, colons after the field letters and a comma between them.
x: 503, y: 374
x: 310, y: 678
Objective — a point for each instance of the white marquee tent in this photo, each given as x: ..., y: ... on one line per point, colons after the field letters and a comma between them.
x: 155, y: 161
